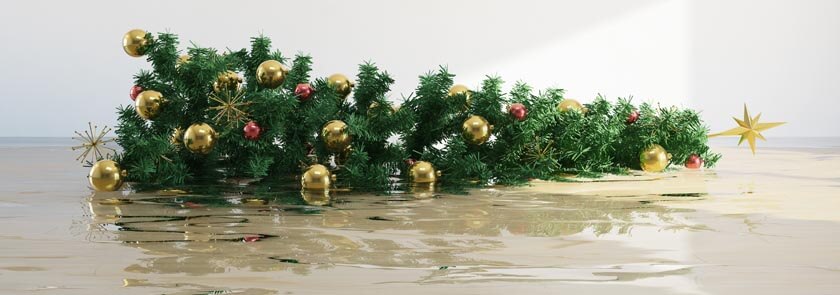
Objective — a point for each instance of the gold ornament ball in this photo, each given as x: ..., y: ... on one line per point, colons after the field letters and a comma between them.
x: 227, y: 81
x: 335, y: 136
x: 271, y: 74
x: 147, y: 104
x: 134, y: 42
x: 200, y: 138
x: 375, y: 108
x: 343, y: 86
x: 423, y: 172
x: 316, y: 197
x: 477, y: 130
x: 569, y: 104
x: 316, y: 177
x: 175, y: 137
x: 459, y: 89
x: 654, y: 158
x: 106, y: 176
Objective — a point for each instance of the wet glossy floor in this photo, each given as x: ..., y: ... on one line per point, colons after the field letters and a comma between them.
x: 766, y: 224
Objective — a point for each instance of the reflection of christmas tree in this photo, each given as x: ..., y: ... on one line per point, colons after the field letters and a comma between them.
x: 208, y: 234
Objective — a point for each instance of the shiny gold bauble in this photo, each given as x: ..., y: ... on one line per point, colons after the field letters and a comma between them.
x: 227, y: 81
x: 134, y: 42
x: 476, y: 130
x: 459, y: 89
x: 423, y: 172
x: 106, y: 176
x: 569, y: 104
x: 335, y: 136
x: 341, y: 83
x: 316, y: 177
x: 271, y: 74
x: 376, y: 108
x: 147, y: 104
x: 316, y: 197
x: 200, y: 138
x: 654, y: 158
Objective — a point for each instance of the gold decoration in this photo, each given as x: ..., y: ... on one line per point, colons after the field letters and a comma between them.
x: 227, y: 81
x: 231, y: 108
x: 654, y: 158
x: 459, y: 89
x: 477, y: 130
x: 316, y: 177
x: 316, y: 197
x: 200, y: 138
x: 569, y: 104
x: 183, y: 59
x: 94, y: 143
x: 177, y: 134
x: 343, y: 86
x: 106, y: 176
x: 423, y: 172
x: 749, y: 129
x: 271, y: 74
x: 539, y: 151
x: 148, y: 104
x: 134, y: 42
x: 376, y: 108
x: 335, y: 135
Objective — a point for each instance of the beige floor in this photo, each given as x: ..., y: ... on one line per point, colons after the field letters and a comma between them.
x: 765, y: 224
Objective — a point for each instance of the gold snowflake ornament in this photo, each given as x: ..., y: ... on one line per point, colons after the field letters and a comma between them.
x: 94, y: 143
x: 231, y: 107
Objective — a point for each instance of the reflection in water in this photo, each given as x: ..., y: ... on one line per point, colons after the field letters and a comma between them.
x: 300, y: 233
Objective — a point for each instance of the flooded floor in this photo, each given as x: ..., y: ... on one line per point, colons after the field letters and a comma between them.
x: 765, y: 224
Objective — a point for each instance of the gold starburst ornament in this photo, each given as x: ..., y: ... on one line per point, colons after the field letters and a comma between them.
x: 94, y: 144
x: 749, y: 129
x: 230, y: 108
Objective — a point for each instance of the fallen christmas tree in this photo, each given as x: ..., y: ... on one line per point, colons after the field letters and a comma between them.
x: 209, y: 116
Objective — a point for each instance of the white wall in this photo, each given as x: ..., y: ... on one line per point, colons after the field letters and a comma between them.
x: 63, y: 65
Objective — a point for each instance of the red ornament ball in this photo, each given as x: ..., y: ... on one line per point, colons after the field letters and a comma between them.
x: 518, y: 111
x: 135, y: 90
x: 694, y: 162
x: 410, y: 162
x: 250, y: 239
x: 252, y: 130
x: 633, y: 117
x: 303, y: 91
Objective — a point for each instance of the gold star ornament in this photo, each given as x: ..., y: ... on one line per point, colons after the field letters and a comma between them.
x: 749, y: 129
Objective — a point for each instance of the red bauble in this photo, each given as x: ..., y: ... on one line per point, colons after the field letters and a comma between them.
x: 633, y: 117
x: 303, y: 91
x: 135, y: 90
x: 518, y: 111
x: 410, y: 162
x: 694, y: 162
x: 252, y: 130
